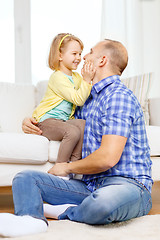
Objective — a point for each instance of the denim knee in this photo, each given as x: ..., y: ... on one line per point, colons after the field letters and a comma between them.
x: 22, y: 177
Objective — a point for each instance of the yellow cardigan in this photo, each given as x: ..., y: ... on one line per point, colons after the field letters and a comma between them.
x: 61, y: 88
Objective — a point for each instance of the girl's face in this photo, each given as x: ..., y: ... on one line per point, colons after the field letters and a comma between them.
x: 70, y: 58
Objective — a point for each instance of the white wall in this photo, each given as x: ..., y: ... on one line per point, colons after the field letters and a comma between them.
x: 53, y: 17
x: 122, y: 21
x: 151, y: 42
x: 37, y: 22
x: 136, y: 23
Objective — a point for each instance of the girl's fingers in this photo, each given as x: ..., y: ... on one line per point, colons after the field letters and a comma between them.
x: 88, y: 66
x: 88, y: 71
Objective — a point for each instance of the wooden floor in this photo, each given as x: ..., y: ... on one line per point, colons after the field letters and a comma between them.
x: 155, y: 198
x: 6, y: 201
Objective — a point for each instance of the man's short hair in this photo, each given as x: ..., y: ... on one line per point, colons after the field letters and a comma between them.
x: 118, y: 55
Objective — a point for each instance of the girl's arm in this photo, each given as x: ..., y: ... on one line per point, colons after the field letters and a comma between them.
x: 66, y: 90
x: 70, y: 94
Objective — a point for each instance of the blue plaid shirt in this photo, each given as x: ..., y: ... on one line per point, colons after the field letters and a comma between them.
x: 113, y: 109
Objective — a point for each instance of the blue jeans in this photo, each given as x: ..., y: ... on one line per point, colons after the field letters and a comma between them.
x: 115, y: 198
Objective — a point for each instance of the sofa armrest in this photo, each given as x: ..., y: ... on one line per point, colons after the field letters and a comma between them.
x: 154, y: 111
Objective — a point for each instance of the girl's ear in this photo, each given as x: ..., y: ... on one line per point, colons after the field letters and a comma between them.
x: 60, y: 56
x: 103, y: 61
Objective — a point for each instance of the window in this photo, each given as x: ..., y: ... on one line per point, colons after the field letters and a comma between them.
x: 50, y: 17
x: 7, y: 62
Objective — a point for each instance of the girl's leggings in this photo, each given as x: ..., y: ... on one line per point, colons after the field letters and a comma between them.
x: 69, y: 132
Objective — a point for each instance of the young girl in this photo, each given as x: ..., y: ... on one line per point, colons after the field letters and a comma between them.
x: 66, y: 90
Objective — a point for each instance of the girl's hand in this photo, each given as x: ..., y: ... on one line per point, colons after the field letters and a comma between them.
x: 29, y: 126
x: 88, y: 71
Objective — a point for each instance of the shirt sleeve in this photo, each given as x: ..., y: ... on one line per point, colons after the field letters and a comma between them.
x: 66, y: 90
x: 118, y: 115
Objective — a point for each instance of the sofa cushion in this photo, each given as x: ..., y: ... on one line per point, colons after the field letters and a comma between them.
x: 140, y: 86
x: 23, y: 148
x: 40, y: 90
x: 53, y: 150
x: 153, y: 133
x: 16, y: 102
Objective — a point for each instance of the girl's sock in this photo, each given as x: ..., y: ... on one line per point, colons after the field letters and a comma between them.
x: 53, y: 211
x: 15, y: 226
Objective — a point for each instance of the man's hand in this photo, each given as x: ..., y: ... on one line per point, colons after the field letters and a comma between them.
x: 29, y: 126
x: 88, y: 71
x: 59, y: 169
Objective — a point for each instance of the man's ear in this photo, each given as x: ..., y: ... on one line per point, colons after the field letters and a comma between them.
x: 103, y: 61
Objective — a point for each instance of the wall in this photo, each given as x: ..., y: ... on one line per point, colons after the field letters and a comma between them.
x: 136, y: 23
x: 151, y: 42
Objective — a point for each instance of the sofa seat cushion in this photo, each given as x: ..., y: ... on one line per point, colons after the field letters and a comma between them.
x: 23, y: 148
x: 53, y: 150
x: 153, y: 133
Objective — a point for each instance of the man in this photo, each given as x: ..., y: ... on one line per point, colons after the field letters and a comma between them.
x: 116, y: 166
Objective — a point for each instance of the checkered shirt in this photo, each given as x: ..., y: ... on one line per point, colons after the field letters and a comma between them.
x: 113, y: 109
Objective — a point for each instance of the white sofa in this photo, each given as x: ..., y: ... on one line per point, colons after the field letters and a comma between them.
x: 19, y: 151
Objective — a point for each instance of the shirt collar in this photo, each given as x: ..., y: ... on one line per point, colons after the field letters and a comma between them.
x: 105, y: 82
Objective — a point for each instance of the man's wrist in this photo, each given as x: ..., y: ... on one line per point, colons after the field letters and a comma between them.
x: 68, y: 168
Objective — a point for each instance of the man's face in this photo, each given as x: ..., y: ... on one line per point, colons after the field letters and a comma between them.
x: 94, y: 54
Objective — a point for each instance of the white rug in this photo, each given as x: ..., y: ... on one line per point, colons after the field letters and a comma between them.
x: 143, y: 228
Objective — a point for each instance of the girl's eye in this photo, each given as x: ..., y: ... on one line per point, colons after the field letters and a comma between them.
x: 77, y: 54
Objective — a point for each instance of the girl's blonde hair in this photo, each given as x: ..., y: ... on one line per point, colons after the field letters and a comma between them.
x: 57, y: 46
